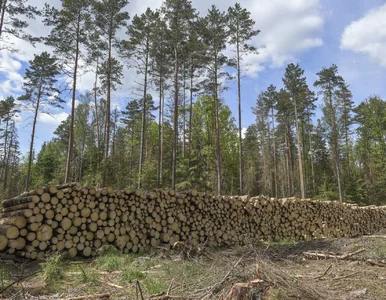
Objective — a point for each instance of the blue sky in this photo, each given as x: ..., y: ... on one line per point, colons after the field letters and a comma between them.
x: 313, y: 33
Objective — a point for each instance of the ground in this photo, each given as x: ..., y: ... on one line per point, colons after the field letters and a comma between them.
x: 285, y: 269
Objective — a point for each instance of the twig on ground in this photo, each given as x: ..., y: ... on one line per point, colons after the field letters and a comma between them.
x: 138, y: 285
x: 96, y: 296
x: 317, y: 255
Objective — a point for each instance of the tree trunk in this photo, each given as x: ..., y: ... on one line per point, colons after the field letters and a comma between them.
x: 274, y: 153
x: 71, y: 136
x: 5, y: 160
x: 96, y: 115
x: 30, y: 157
x: 184, y: 115
x: 159, y: 134
x: 108, y: 113
x: 335, y: 148
x: 175, y: 137
x: 144, y: 100
x: 162, y: 137
x: 303, y: 194
x: 191, y: 108
x: 218, y: 149
x: 3, y: 4
x: 240, y: 125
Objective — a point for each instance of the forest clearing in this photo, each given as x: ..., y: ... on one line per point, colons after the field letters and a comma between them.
x: 286, y: 270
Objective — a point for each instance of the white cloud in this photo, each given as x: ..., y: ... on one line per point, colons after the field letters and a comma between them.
x: 52, y: 119
x: 288, y: 28
x: 368, y: 35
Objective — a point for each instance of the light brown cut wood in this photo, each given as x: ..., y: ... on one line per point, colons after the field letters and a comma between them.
x: 10, y: 231
x: 20, y: 221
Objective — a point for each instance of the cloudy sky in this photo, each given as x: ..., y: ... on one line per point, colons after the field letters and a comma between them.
x: 313, y: 33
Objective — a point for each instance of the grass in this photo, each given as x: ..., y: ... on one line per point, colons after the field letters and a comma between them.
x: 110, y: 262
x: 154, y: 286
x: 52, y: 269
x: 132, y: 275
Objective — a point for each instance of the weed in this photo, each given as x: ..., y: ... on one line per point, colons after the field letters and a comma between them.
x: 89, y: 275
x: 132, y: 275
x: 5, y: 275
x: 110, y: 261
x: 154, y: 285
x: 52, y: 269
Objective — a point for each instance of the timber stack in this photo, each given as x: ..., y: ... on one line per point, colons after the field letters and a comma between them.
x: 79, y: 220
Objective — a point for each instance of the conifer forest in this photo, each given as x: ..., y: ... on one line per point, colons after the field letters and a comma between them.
x: 177, y: 130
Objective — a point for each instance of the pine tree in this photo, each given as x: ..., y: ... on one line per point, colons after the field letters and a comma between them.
x: 241, y: 32
x: 40, y: 93
x: 270, y: 98
x: 14, y: 15
x: 8, y: 111
x: 295, y: 83
x: 161, y: 54
x: 138, y: 48
x: 214, y: 32
x: 329, y: 82
x: 179, y: 15
x: 110, y: 17
x: 71, y: 28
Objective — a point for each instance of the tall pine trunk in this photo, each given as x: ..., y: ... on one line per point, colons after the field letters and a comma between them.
x: 303, y: 194
x: 6, y: 154
x: 274, y: 153
x: 3, y: 4
x: 159, y: 172
x: 142, y: 149
x: 240, y: 125
x: 96, y: 116
x: 190, y: 109
x: 108, y: 113
x: 30, y: 157
x: 335, y: 148
x: 218, y: 148
x: 184, y: 115
x: 175, y: 136
x: 71, y: 136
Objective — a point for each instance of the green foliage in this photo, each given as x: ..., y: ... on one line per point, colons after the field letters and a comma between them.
x: 110, y: 261
x: 53, y: 269
x: 154, y: 285
x: 130, y: 275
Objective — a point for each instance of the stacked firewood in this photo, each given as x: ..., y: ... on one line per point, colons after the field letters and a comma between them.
x: 79, y: 220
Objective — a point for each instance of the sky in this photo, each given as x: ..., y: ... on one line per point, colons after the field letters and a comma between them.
x: 313, y: 33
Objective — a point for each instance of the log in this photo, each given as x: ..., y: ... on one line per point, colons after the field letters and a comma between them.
x: 44, y: 233
x: 20, y: 221
x: 25, y: 212
x: 18, y: 207
x: 3, y: 242
x: 19, y: 200
x: 11, y: 232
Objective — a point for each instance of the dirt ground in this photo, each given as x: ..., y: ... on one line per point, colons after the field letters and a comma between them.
x: 325, y: 269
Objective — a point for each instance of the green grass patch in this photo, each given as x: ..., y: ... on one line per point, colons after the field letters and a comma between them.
x: 154, y: 285
x: 110, y: 262
x: 132, y: 275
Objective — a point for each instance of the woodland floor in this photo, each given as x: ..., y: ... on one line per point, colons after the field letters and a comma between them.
x: 285, y: 271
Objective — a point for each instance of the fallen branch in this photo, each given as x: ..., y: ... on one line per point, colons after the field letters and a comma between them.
x: 138, y: 288
x: 318, y: 255
x: 378, y: 263
x: 96, y: 296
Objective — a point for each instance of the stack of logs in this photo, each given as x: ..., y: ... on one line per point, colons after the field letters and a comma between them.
x: 80, y: 220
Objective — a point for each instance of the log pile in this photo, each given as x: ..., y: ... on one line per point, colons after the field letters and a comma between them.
x: 80, y: 220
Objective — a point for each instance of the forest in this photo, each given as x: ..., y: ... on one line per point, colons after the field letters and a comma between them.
x: 186, y: 137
